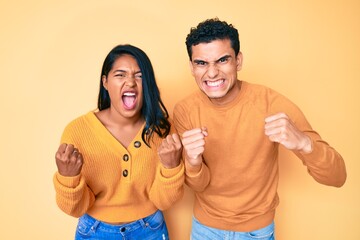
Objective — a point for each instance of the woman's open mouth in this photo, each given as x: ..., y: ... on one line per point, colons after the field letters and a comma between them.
x: 129, y: 100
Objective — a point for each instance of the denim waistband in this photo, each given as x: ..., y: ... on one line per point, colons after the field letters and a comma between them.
x: 128, y: 227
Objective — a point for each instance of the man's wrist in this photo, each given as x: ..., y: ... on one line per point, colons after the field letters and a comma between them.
x: 307, y: 147
x: 192, y: 168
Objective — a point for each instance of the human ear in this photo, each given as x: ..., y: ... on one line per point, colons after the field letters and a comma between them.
x: 191, y: 67
x: 239, y: 61
x: 104, y: 82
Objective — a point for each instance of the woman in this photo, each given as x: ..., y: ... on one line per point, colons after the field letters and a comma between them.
x: 119, y: 166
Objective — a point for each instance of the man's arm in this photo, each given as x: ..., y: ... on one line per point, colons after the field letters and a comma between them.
x: 324, y: 163
x: 197, y: 174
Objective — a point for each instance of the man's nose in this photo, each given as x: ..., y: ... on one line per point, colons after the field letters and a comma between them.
x: 212, y: 70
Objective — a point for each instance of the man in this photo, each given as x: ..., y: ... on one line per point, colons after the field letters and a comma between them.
x: 231, y: 131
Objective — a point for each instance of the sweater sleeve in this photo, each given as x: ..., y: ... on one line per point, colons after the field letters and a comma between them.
x: 168, y: 186
x: 324, y: 163
x: 72, y: 194
x: 197, y: 178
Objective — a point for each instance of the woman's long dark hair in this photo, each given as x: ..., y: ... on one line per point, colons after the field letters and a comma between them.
x: 153, y: 110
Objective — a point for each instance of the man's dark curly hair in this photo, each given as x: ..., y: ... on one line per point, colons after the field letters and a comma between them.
x: 210, y: 30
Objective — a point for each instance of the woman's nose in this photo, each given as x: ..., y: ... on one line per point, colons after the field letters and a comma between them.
x: 130, y: 81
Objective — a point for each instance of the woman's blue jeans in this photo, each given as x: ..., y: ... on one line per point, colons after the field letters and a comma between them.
x: 202, y: 232
x: 150, y: 228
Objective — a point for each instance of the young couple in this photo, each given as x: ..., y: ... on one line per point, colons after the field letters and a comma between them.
x: 121, y: 165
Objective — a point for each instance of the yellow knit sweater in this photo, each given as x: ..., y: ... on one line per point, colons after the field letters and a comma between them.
x: 236, y: 186
x: 116, y: 184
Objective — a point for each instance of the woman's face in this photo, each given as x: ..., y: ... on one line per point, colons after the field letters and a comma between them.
x: 124, y: 84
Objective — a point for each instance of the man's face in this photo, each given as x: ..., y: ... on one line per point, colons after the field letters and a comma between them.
x: 214, y: 67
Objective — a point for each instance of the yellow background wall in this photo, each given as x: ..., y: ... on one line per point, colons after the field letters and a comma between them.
x: 51, y: 54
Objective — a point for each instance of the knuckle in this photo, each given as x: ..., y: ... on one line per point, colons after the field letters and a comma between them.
x: 284, y: 115
x: 283, y: 121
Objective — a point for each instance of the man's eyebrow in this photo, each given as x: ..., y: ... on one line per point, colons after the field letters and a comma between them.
x: 218, y: 60
x: 225, y: 56
x: 199, y: 61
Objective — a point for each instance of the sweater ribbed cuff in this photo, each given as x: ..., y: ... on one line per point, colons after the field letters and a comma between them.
x: 70, y: 182
x: 170, y: 172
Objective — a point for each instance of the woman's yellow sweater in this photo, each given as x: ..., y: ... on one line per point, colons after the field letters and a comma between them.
x: 116, y: 184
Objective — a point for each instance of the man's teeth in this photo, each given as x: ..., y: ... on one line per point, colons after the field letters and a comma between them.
x: 215, y: 83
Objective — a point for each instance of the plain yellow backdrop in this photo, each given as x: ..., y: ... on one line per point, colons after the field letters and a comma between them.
x: 51, y: 53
